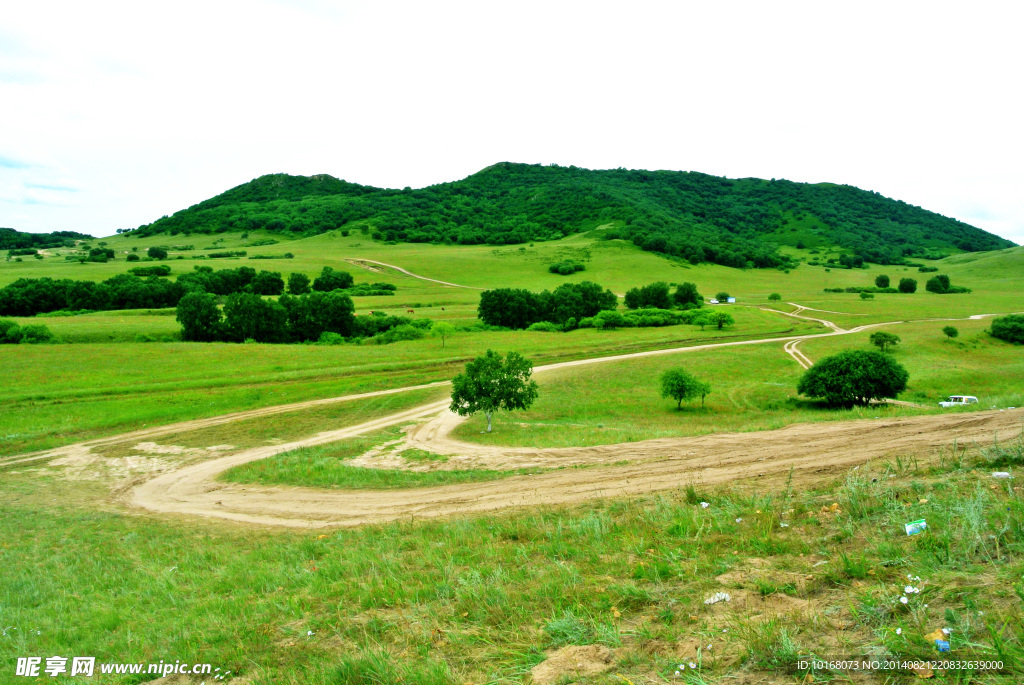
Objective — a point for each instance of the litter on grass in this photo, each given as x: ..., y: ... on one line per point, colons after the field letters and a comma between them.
x: 915, y: 527
x: 1001, y: 474
x: 718, y: 597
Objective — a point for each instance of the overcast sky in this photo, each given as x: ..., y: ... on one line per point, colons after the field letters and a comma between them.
x: 115, y: 113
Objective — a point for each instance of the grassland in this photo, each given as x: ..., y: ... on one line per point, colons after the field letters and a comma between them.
x: 481, y: 600
x: 327, y: 467
x: 54, y: 394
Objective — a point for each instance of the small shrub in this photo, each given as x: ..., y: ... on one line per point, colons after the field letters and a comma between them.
x: 1009, y: 328
x: 774, y: 297
x: 548, y: 327
x: 950, y: 331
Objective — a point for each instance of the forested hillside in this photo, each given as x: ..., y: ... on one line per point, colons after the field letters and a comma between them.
x: 11, y: 239
x: 698, y: 217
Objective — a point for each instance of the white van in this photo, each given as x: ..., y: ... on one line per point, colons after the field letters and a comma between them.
x: 959, y: 401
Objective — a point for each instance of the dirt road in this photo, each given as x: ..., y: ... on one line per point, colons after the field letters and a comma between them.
x: 409, y: 273
x: 813, y: 452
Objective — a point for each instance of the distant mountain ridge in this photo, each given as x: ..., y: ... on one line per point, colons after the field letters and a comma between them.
x: 702, y: 218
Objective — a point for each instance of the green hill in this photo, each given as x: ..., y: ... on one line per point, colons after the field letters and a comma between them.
x: 701, y: 218
x: 11, y: 239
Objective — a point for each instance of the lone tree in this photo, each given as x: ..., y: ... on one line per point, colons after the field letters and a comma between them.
x: 881, y: 281
x: 908, y: 285
x: 491, y: 383
x: 774, y: 297
x: 722, y: 296
x: 443, y: 330
x: 854, y: 377
x: 679, y: 385
x: 950, y: 331
x: 884, y: 341
x: 157, y: 253
x: 720, y: 319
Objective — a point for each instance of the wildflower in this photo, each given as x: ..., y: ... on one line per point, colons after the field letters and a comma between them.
x: 693, y: 665
x: 899, y: 631
x: 681, y: 667
x: 709, y: 646
x: 783, y: 525
x: 739, y: 520
x: 911, y: 590
x: 309, y: 633
x: 904, y: 600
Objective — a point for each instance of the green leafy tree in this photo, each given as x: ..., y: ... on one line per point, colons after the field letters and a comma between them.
x: 443, y: 330
x: 886, y: 342
x: 720, y: 319
x: 157, y: 253
x: 938, y: 284
x: 774, y: 297
x: 1009, y: 328
x: 908, y: 285
x: 199, y: 317
x: 950, y: 331
x: 267, y: 283
x: 248, y: 316
x: 329, y: 280
x: 10, y: 332
x: 687, y: 297
x: 722, y: 296
x: 132, y: 257
x: 655, y: 295
x: 298, y: 284
x: 680, y: 385
x: 881, y: 281
x: 309, y: 316
x: 509, y: 307
x: 854, y: 377
x: 491, y: 383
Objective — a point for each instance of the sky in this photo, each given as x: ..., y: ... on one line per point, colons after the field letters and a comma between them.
x: 113, y: 114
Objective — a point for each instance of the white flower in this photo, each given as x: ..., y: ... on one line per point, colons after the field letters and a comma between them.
x: 709, y: 646
x: 681, y: 667
x: 947, y: 631
x: 899, y: 631
x: 677, y: 674
x: 309, y: 633
x: 903, y: 600
x: 739, y: 520
x: 704, y: 505
x: 783, y: 525
x: 693, y: 665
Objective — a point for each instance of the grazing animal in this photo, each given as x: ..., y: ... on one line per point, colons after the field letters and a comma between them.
x: 442, y: 309
x: 409, y: 311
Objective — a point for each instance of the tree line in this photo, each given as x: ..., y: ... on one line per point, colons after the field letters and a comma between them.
x: 146, y: 289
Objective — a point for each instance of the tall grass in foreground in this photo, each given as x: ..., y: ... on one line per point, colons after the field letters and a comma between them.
x: 810, y: 572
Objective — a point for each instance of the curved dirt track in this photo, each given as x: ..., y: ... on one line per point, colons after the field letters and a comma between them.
x: 409, y: 273
x: 811, y: 452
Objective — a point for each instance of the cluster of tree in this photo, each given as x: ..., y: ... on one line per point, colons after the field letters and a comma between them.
x: 1009, y: 328
x: 657, y: 295
x: 565, y: 306
x: 302, y: 318
x: 854, y: 377
x: 12, y: 334
x: 940, y: 284
x: 689, y: 215
x: 230, y: 281
x: 906, y: 286
x: 31, y: 296
x: 11, y: 239
x: 566, y: 267
x: 644, y: 318
x: 156, y: 270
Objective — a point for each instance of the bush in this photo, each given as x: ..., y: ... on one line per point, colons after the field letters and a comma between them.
x: 36, y: 334
x: 547, y: 326
x: 132, y: 257
x: 908, y: 285
x: 881, y: 281
x: 158, y: 270
x: 866, y: 296
x: 157, y: 253
x: 854, y: 377
x: 940, y: 285
x: 10, y: 332
x: 567, y: 267
x: 1009, y: 328
x: 330, y: 338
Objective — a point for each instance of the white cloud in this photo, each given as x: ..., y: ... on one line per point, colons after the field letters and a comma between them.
x: 147, y: 108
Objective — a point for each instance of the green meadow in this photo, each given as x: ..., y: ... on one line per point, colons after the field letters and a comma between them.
x: 485, y: 599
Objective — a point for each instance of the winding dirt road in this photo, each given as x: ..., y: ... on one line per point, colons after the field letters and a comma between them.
x: 409, y: 273
x: 811, y: 452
